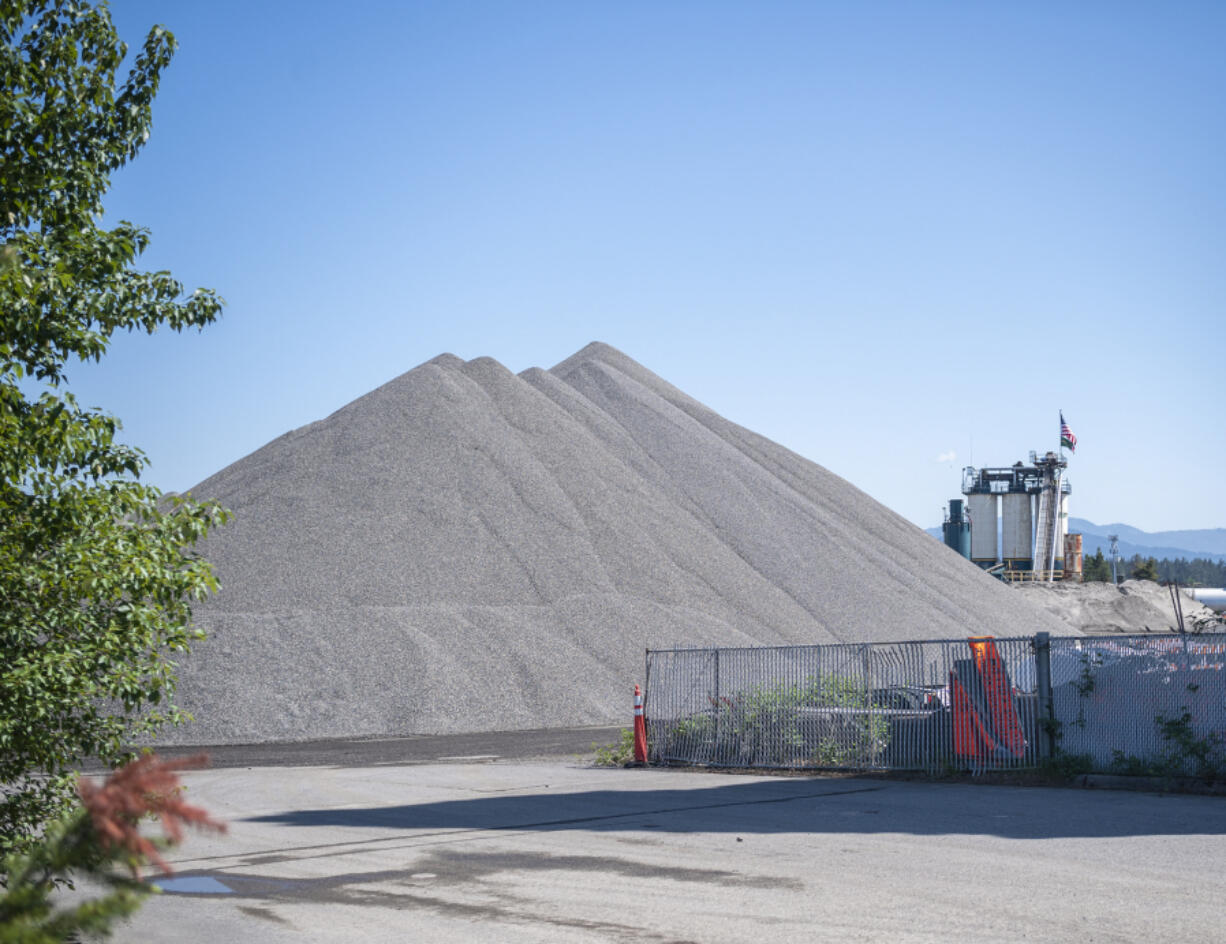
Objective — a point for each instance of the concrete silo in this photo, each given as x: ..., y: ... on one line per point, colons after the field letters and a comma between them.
x: 1017, y: 531
x: 982, y: 508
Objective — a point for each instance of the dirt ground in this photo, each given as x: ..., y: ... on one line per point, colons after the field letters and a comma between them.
x: 1135, y: 606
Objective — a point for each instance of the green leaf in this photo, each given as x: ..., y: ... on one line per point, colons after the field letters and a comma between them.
x: 97, y: 577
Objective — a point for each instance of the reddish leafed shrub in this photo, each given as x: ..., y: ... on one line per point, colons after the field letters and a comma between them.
x: 148, y: 786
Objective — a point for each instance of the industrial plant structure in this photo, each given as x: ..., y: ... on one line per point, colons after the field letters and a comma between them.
x: 1030, y: 541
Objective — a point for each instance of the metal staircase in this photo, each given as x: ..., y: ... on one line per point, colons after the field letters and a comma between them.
x: 1046, y: 530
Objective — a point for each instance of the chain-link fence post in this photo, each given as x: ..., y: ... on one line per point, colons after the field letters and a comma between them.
x: 1042, y: 674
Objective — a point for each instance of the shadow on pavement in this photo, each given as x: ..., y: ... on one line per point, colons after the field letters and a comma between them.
x: 797, y: 806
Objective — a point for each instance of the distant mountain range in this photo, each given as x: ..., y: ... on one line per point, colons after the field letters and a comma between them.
x: 1206, y: 542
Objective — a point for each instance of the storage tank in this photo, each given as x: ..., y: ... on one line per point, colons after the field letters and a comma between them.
x: 957, y: 529
x: 1017, y: 531
x: 1072, y: 557
x: 983, y: 528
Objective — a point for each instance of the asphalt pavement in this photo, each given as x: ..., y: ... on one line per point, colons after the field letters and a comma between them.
x: 471, y: 848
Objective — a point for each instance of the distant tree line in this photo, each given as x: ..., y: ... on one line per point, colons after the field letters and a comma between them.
x: 1199, y: 572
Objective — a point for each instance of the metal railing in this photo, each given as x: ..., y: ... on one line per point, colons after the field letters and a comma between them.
x: 1032, y: 576
x: 972, y: 703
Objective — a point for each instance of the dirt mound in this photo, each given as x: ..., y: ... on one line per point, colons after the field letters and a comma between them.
x: 1135, y: 606
x: 467, y: 549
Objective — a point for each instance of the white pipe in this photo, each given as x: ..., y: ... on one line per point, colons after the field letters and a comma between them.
x: 1055, y: 530
x: 1214, y: 599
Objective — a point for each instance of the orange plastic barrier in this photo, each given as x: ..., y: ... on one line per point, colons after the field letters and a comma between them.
x: 998, y: 690
x: 985, y: 720
x: 971, y: 735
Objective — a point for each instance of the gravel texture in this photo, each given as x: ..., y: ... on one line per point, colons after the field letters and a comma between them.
x: 465, y: 549
x: 1135, y: 606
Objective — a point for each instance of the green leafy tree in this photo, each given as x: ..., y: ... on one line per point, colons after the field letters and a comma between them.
x: 1096, y: 569
x: 1145, y: 570
x: 97, y: 575
x: 1199, y: 572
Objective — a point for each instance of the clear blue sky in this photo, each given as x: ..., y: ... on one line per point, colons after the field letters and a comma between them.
x: 882, y: 234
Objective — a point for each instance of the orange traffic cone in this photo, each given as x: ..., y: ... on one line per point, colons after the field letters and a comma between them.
x: 640, y: 729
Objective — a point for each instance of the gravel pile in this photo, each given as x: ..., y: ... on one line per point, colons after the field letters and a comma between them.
x: 465, y: 549
x: 1135, y: 606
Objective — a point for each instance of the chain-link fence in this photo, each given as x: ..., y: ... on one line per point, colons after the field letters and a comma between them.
x: 901, y: 705
x: 1142, y: 704
x: 969, y: 703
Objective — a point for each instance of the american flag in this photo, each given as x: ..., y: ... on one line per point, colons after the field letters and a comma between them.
x: 1067, y: 439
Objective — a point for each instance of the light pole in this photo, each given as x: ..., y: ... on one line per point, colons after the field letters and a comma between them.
x: 1115, y: 553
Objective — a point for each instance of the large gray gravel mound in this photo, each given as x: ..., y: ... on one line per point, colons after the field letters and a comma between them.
x: 465, y: 549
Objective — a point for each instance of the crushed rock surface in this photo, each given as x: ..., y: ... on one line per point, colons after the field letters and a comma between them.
x: 466, y: 549
x: 1135, y: 606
